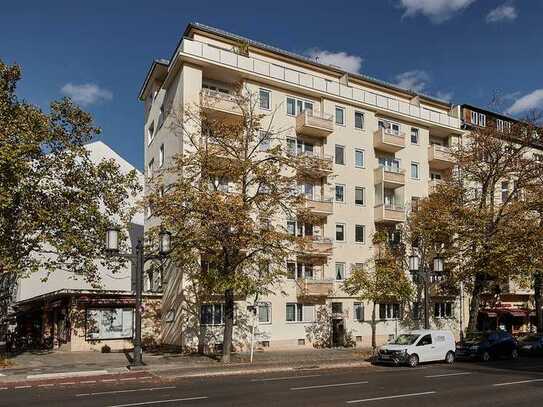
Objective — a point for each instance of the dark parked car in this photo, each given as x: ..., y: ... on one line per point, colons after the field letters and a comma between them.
x: 531, y: 344
x: 487, y: 345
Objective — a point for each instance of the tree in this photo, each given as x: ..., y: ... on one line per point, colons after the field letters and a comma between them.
x: 55, y: 203
x: 226, y: 200
x: 485, y: 214
x: 382, y: 278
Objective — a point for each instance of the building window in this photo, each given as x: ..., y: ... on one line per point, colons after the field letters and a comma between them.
x: 389, y: 311
x: 150, y: 167
x: 415, y: 203
x: 414, y: 135
x: 359, y: 158
x: 150, y: 133
x: 340, y: 193
x: 109, y: 323
x: 389, y: 127
x: 417, y: 311
x: 337, y: 308
x: 443, y: 310
x: 212, y: 314
x: 359, y: 120
x: 291, y: 270
x: 299, y: 312
x: 297, y: 106
x: 340, y: 155
x: 482, y: 120
x: 359, y: 233
x: 340, y: 116
x: 415, y: 171
x: 264, y: 313
x: 359, y: 196
x: 340, y: 232
x: 358, y: 311
x: 264, y: 97
x: 340, y: 271
x: 161, y: 156
x: 505, y: 191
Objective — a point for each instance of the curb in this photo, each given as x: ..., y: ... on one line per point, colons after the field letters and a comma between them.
x: 62, y: 375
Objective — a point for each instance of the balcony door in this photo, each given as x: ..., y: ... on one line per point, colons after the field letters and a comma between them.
x: 390, y: 198
x: 390, y: 163
x: 390, y: 126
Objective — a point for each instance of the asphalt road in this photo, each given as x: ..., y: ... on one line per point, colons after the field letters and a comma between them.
x: 499, y: 383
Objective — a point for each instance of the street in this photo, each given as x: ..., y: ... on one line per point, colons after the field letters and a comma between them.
x: 498, y: 383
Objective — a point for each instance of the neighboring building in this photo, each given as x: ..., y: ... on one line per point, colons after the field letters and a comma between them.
x: 63, y: 311
x: 384, y: 147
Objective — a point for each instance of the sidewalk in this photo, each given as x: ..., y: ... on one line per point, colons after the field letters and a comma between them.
x: 44, y: 364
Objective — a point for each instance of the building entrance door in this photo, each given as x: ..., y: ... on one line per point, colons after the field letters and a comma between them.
x: 338, y: 333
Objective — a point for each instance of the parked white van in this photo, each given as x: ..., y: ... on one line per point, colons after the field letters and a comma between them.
x: 419, y: 346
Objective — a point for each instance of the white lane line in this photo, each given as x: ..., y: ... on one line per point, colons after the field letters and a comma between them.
x: 87, y: 381
x: 391, y: 397
x: 448, y: 374
x: 327, y: 385
x: 145, y: 403
x: 123, y: 391
x: 46, y: 385
x: 270, y: 379
x: 145, y: 377
x: 125, y: 379
x: 66, y: 383
x: 3, y: 388
x: 22, y: 387
x: 109, y: 380
x: 519, y: 382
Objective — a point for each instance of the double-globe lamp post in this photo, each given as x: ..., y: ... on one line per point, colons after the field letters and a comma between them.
x: 416, y: 267
x: 138, y: 258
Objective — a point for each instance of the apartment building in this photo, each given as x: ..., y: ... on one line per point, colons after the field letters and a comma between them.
x: 381, y: 148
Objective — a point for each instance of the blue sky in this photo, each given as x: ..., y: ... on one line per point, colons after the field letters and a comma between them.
x: 99, y: 52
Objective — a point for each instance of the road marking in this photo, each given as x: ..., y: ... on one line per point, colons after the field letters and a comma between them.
x: 284, y: 378
x: 448, y: 374
x: 66, y: 383
x: 145, y: 403
x: 123, y: 391
x: 22, y: 387
x: 124, y: 379
x: 327, y: 385
x: 145, y: 377
x: 391, y: 397
x: 519, y: 382
x: 46, y: 385
x: 3, y: 388
x: 109, y: 380
x: 88, y: 381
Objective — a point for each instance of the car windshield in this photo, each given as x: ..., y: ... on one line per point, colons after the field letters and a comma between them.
x: 530, y: 338
x: 406, y: 339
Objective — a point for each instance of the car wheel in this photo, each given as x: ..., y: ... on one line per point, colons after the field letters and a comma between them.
x: 485, y: 357
x: 449, y: 358
x: 514, y: 354
x: 413, y: 360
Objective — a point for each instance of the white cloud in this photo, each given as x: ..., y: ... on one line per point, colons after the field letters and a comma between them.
x: 86, y: 93
x: 504, y: 12
x: 437, y: 11
x: 415, y: 80
x: 350, y: 63
x: 527, y: 102
x: 443, y: 95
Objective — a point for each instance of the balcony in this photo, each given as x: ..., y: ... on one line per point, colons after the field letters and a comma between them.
x: 432, y: 185
x: 388, y: 140
x: 314, y: 124
x: 389, y: 213
x: 318, y: 246
x: 220, y: 104
x: 314, y: 289
x: 440, y: 157
x: 390, y: 177
x: 314, y: 164
x: 320, y: 207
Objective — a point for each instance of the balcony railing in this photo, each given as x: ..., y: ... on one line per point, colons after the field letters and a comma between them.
x: 440, y: 157
x: 388, y: 140
x: 195, y: 49
x: 318, y: 246
x: 314, y: 124
x: 314, y: 288
x: 315, y: 163
x: 220, y: 102
x: 391, y: 177
x: 323, y: 207
x: 389, y: 213
x: 432, y: 185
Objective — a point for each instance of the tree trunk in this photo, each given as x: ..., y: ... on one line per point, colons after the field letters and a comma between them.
x: 538, y: 300
x: 475, y: 303
x: 228, y: 325
x: 373, y: 329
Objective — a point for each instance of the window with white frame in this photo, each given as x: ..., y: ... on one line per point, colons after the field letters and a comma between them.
x: 305, y: 271
x: 478, y: 119
x: 358, y: 311
x: 340, y: 271
x: 415, y: 170
x: 340, y: 155
x: 150, y: 132
x: 359, y: 233
x: 443, y: 310
x: 109, y: 323
x: 482, y: 119
x: 340, y: 193
x: 359, y: 196
x: 212, y: 314
x: 414, y: 135
x: 389, y: 126
x: 264, y: 313
x: 359, y: 158
x: 340, y: 232
x: 340, y: 115
x: 264, y: 97
x: 161, y: 156
x: 359, y: 120
x: 389, y: 311
x: 296, y: 106
x: 296, y: 312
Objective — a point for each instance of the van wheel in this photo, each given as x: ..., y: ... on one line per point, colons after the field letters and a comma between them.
x: 485, y: 357
x: 449, y: 358
x: 413, y: 360
x: 514, y: 354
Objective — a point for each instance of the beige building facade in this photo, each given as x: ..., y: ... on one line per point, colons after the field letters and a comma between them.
x: 379, y: 149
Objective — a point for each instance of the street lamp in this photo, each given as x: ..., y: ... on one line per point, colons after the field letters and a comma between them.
x: 416, y: 267
x: 438, y: 264
x: 138, y: 258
